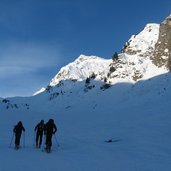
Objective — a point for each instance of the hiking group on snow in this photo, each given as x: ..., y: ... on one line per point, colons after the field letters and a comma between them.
x: 41, y: 129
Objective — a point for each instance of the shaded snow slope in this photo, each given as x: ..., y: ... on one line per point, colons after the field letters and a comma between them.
x: 136, y: 115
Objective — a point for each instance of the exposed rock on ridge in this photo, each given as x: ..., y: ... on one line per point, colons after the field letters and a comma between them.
x: 162, y: 53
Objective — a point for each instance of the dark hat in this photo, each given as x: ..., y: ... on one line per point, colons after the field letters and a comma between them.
x: 51, y: 120
x: 19, y: 123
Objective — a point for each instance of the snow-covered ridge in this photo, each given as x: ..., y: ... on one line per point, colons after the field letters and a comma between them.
x: 127, y: 68
x: 143, y: 43
x: 82, y: 68
x: 39, y: 91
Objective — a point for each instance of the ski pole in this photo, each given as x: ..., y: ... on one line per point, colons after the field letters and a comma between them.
x: 56, y: 140
x: 34, y: 138
x: 24, y: 139
x: 11, y: 140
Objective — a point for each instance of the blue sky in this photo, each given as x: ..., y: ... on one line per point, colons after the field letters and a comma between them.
x: 38, y: 37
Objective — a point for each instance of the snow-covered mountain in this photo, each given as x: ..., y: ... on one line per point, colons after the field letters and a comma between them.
x: 136, y: 62
x: 111, y: 114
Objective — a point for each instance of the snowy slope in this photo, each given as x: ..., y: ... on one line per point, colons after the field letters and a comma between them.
x: 136, y: 115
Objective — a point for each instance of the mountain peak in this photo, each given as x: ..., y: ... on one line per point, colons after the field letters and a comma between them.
x: 84, y: 58
x: 82, y: 68
x: 143, y: 44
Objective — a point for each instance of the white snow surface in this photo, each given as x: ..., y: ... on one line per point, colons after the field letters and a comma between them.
x: 39, y: 91
x: 145, y: 41
x: 81, y: 68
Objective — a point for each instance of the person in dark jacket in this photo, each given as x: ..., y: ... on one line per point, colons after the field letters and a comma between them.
x: 39, y: 134
x: 18, y: 131
x: 50, y: 129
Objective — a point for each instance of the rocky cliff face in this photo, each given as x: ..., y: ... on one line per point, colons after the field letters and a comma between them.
x: 162, y: 54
